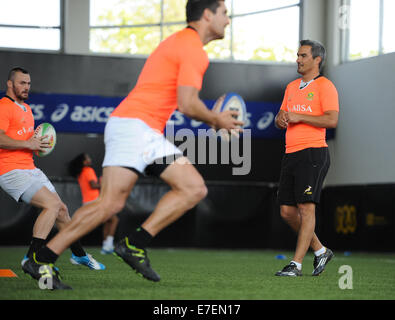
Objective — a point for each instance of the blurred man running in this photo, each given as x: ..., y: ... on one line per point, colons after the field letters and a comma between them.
x: 134, y: 144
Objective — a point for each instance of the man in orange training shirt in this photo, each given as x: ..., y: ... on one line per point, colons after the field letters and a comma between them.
x: 310, y: 105
x: 171, y: 78
x: 19, y: 177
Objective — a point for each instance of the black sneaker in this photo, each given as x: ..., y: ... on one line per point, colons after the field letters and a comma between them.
x: 136, y: 258
x: 290, y: 270
x: 47, y: 274
x: 321, y: 261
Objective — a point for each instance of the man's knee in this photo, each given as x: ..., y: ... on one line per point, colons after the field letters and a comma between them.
x: 200, y: 191
x: 288, y: 212
x: 306, y: 209
x: 63, y: 212
x: 54, y: 205
x: 110, y: 207
x: 195, y: 191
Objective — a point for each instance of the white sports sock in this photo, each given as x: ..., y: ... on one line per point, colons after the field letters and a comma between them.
x: 109, y: 240
x: 319, y: 252
x: 298, y: 265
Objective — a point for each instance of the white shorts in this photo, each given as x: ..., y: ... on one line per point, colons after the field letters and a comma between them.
x: 24, y: 183
x: 133, y: 144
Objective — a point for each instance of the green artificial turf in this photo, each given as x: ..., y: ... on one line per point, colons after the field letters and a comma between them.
x: 199, y: 274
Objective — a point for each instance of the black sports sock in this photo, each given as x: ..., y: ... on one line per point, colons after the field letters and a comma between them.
x: 46, y: 255
x: 35, y: 245
x: 140, y: 238
x: 77, y: 249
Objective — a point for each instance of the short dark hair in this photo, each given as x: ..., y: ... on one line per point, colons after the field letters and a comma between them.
x: 195, y: 8
x: 317, y: 50
x: 75, y: 166
x: 15, y: 70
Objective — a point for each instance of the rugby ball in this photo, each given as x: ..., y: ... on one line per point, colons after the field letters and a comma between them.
x: 232, y: 101
x: 46, y: 129
x: 235, y: 102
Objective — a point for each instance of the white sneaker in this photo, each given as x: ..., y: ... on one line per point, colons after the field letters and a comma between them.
x: 88, y: 261
x: 107, y: 249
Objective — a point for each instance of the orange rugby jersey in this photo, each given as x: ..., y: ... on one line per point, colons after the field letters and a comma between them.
x: 18, y: 123
x: 314, y: 99
x: 88, y: 194
x: 180, y: 60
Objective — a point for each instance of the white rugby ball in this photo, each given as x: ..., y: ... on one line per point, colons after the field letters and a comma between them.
x: 232, y: 101
x: 46, y: 129
x: 235, y: 102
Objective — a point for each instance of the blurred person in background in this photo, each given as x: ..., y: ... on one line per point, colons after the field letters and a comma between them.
x: 81, y: 168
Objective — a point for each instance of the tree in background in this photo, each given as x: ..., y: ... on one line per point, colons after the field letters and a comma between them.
x: 142, y: 32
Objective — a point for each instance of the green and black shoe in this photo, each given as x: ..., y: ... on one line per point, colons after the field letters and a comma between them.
x: 47, y: 274
x: 136, y: 258
x: 321, y: 261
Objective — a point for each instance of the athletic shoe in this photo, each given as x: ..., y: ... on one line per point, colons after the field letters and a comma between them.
x: 25, y: 258
x: 106, y: 249
x: 136, y: 258
x: 290, y: 270
x: 47, y: 272
x: 321, y: 261
x: 88, y: 261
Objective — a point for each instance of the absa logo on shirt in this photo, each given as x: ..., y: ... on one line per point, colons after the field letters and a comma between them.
x: 300, y: 108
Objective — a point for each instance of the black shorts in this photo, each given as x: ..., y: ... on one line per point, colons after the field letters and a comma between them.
x: 156, y: 168
x: 302, y: 175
